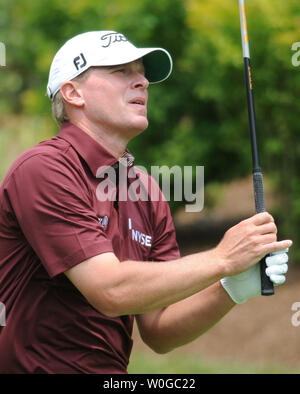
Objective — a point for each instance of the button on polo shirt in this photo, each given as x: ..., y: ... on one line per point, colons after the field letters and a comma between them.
x: 52, y: 218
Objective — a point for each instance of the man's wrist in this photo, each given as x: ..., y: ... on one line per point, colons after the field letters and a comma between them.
x: 226, y: 282
x: 226, y: 294
x: 220, y: 262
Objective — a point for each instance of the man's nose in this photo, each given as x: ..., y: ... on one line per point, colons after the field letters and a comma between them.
x: 140, y: 81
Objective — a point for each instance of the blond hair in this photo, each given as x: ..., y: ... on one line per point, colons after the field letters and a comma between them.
x: 59, y: 112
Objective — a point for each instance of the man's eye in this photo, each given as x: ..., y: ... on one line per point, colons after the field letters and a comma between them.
x: 120, y: 70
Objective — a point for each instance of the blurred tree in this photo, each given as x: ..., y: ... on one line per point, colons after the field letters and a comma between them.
x: 198, y: 116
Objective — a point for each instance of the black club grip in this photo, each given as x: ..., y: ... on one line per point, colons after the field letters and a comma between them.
x: 259, y: 192
x: 267, y: 287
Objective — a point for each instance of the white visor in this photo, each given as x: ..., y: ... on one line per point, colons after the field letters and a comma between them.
x: 104, y: 48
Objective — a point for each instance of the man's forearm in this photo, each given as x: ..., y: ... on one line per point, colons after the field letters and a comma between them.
x: 130, y: 287
x: 120, y: 288
x: 165, y: 283
x: 184, y: 321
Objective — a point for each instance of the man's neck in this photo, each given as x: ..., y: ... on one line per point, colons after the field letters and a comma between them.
x: 112, y: 142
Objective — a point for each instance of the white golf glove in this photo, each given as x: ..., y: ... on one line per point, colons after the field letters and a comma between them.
x: 247, y: 284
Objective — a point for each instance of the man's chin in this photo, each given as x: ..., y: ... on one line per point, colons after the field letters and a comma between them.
x: 140, y: 126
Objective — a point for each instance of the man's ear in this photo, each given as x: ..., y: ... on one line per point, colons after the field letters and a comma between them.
x: 71, y: 93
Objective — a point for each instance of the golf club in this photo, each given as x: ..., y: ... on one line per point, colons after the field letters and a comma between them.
x: 267, y: 287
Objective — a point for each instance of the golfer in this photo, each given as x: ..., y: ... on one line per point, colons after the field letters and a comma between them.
x: 76, y: 269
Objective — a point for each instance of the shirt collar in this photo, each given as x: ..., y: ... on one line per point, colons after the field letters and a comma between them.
x: 92, y: 152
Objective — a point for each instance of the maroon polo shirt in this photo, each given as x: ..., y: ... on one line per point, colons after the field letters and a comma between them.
x: 51, y: 219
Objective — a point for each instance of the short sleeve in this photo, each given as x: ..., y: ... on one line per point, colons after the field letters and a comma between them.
x: 53, y: 206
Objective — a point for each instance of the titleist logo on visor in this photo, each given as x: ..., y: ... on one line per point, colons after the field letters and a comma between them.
x: 112, y: 38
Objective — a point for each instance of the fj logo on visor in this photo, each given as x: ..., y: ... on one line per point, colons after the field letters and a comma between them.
x: 79, y: 61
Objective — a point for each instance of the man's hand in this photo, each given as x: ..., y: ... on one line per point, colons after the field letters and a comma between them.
x: 247, y: 243
x: 247, y: 285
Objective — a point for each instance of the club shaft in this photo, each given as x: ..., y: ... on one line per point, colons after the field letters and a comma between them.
x: 267, y: 287
x: 252, y: 116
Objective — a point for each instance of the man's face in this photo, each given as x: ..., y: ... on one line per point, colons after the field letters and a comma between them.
x: 115, y: 98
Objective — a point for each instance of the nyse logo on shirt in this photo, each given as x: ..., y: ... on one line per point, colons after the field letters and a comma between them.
x: 139, y: 237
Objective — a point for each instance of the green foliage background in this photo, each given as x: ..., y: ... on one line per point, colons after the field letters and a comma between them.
x: 197, y: 117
